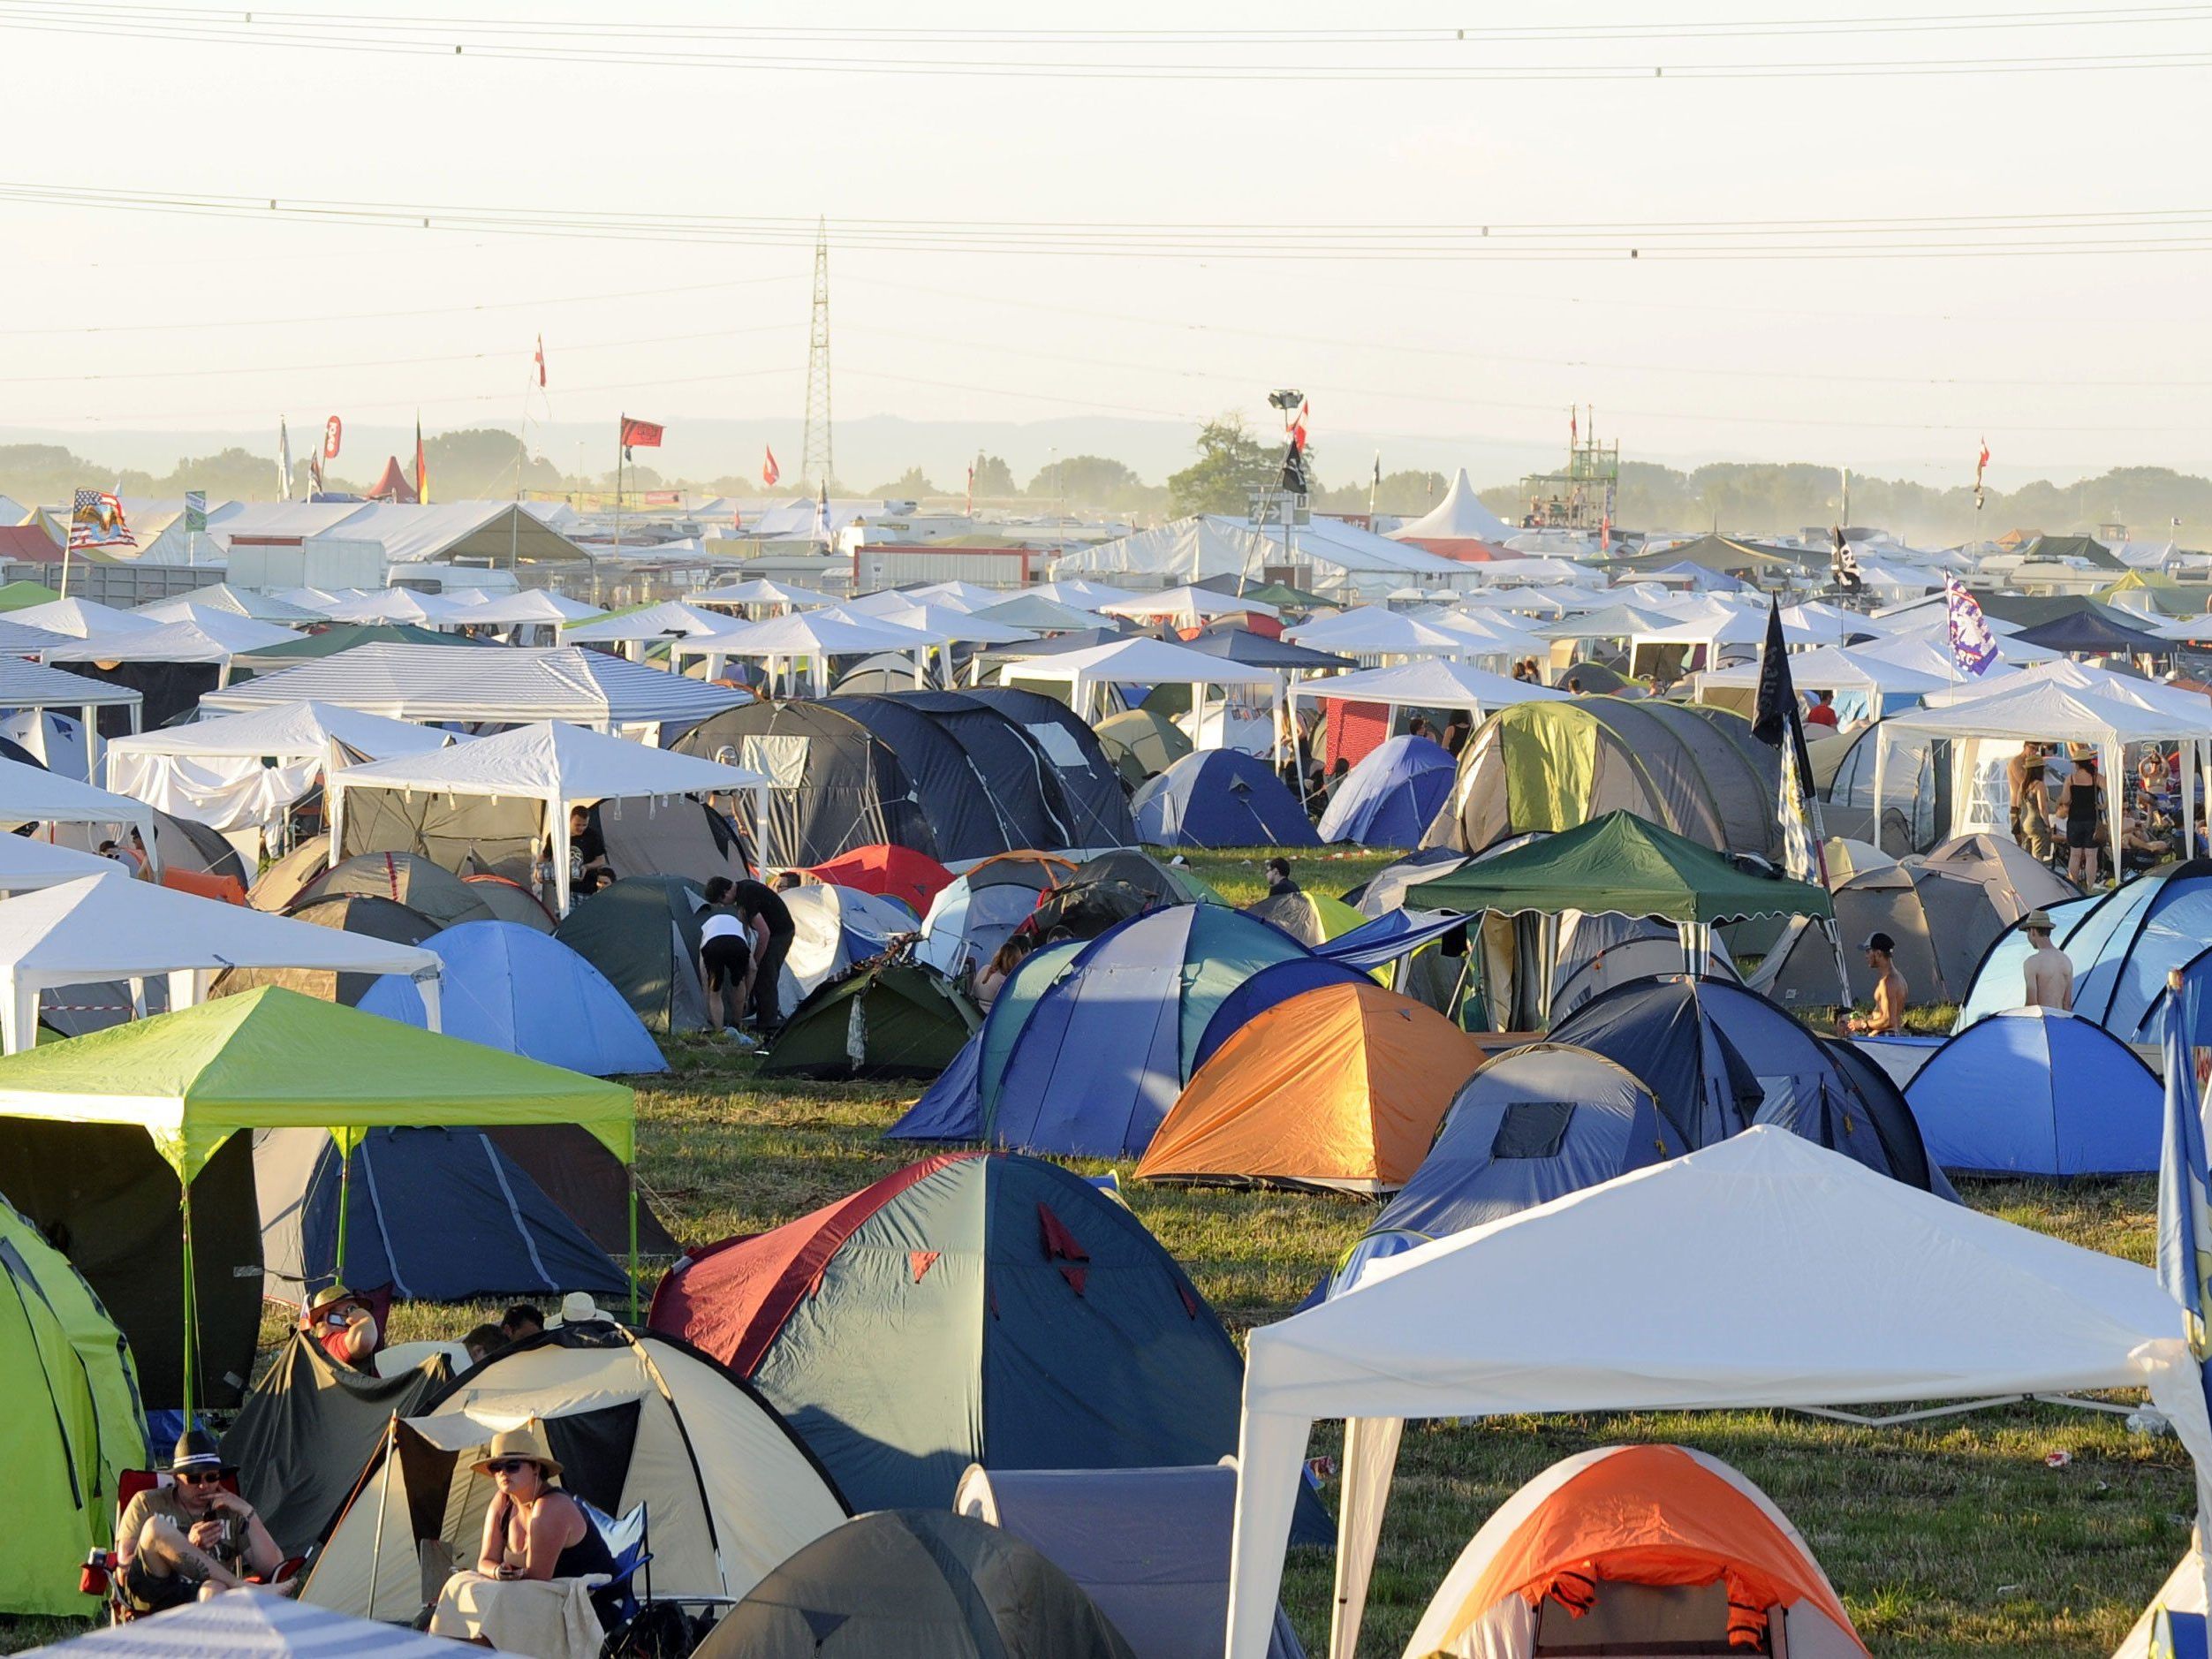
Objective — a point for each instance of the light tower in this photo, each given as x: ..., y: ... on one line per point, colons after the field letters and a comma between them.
x: 816, y: 462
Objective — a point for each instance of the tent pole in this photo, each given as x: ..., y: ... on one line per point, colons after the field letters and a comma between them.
x: 560, y: 857
x: 384, y: 1504
x: 346, y: 1204
x: 2189, y: 801
x: 192, y: 1300
x: 633, y: 1235
x: 2115, y: 799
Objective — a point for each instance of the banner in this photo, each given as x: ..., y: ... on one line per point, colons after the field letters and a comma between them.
x: 96, y: 519
x: 195, y: 512
x: 333, y: 431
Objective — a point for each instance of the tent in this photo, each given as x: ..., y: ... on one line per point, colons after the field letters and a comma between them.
x: 1149, y: 1546
x: 250, y: 1627
x: 642, y: 934
x: 1311, y: 918
x: 405, y: 878
x: 438, y: 1215
x: 1533, y: 1125
x: 1082, y: 782
x: 2094, y: 630
x: 834, y: 929
x: 1943, y: 918
x: 1089, y: 676
x: 1995, y: 859
x: 1104, y: 1051
x: 887, y: 1019
x: 1221, y: 798
x: 1142, y: 743
x: 1392, y: 796
x: 511, y: 987
x: 1340, y: 1087
x: 2031, y: 1091
x: 1718, y: 1058
x: 154, y: 1106
x: 1637, y: 1549
x: 29, y: 688
x: 914, y: 879
x: 33, y: 795
x: 1919, y: 1299
x: 634, y: 1417
x: 57, y: 1345
x: 109, y: 927
x: 908, y: 1583
x: 974, y: 913
x: 686, y: 837
x: 1696, y: 771
x: 974, y: 1308
x: 2123, y: 942
x: 1160, y: 880
x: 302, y: 1435
x: 1274, y: 984
x: 358, y: 913
x: 1460, y: 516
x: 510, y: 901
x: 27, y: 864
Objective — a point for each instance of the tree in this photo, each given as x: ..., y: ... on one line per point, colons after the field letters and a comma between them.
x: 478, y: 463
x: 1231, y: 464
x: 908, y: 486
x: 994, y: 479
x: 1406, y: 493
x: 1094, y: 482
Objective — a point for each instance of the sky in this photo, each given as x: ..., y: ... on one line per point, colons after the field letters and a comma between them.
x: 1822, y: 266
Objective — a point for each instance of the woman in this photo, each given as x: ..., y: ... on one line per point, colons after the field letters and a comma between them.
x: 2083, y: 800
x: 991, y: 978
x: 534, y: 1530
x: 2034, y: 827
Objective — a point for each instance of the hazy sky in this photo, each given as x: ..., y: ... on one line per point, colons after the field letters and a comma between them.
x: 2069, y: 362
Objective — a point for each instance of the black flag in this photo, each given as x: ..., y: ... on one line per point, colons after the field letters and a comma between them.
x: 1292, y: 482
x: 1778, y: 720
x: 1845, y: 563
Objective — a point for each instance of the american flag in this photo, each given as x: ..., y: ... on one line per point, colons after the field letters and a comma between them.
x: 96, y: 519
x: 1973, y: 647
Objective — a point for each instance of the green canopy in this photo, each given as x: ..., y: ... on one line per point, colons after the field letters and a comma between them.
x: 1283, y: 596
x: 1622, y: 865
x: 345, y: 635
x: 22, y: 595
x: 272, y: 1058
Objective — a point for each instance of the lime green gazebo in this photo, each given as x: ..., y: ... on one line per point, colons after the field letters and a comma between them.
x: 272, y: 1058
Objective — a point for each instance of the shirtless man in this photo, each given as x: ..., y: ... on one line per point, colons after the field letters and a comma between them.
x: 2047, y: 976
x: 1888, y: 1018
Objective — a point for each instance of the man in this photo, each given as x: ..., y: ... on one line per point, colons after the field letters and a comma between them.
x: 586, y: 847
x: 725, y: 967
x: 521, y: 1322
x: 189, y: 1539
x: 1822, y: 713
x: 2047, y: 976
x: 770, y: 920
x: 1417, y: 727
x: 1888, y: 1018
x: 1574, y: 684
x: 1279, y: 881
x: 342, y: 1327
x: 481, y: 1343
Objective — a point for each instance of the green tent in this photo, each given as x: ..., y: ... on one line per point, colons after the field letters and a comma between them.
x: 642, y: 933
x: 342, y: 636
x: 195, y: 1080
x: 885, y: 1020
x: 23, y: 596
x: 72, y: 1429
x: 1622, y: 865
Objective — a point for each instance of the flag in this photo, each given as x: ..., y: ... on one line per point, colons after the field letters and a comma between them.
x: 1778, y: 720
x: 1574, y: 428
x: 821, y: 517
x: 1294, y: 480
x: 1378, y: 469
x: 1297, y: 427
x: 283, y: 459
x: 769, y: 471
x: 640, y: 434
x: 1605, y: 534
x: 422, y: 466
x: 1980, y: 467
x: 1972, y: 645
x: 195, y: 512
x: 333, y: 433
x: 1845, y: 562
x: 971, y: 489
x: 96, y: 519
x: 540, y: 362
x: 315, y: 474
x: 2185, y: 1209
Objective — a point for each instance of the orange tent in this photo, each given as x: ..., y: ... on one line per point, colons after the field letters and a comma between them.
x: 1342, y: 1086
x: 1659, y: 1517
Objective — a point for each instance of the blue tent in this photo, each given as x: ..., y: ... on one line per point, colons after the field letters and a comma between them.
x: 2031, y: 1091
x: 511, y: 987
x: 1220, y: 797
x: 1278, y: 983
x: 2122, y: 944
x: 1391, y: 796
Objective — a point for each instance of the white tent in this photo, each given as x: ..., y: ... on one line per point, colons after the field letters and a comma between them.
x: 219, y: 772
x: 384, y: 605
x: 1039, y: 613
x: 215, y: 637
x: 557, y: 764
x: 441, y: 682
x: 1839, y: 668
x: 251, y: 1627
x: 531, y: 606
x: 81, y: 618
x: 1185, y: 606
x: 30, y: 794
x: 19, y: 639
x: 109, y: 927
x: 1142, y: 661
x: 1430, y: 685
x: 762, y: 591
x: 1459, y: 516
x: 240, y: 601
x: 1866, y: 1291
x: 27, y: 864
x: 1498, y: 636
x: 1373, y: 630
x: 28, y: 685
x: 813, y: 637
x: 670, y: 620
x: 1081, y: 594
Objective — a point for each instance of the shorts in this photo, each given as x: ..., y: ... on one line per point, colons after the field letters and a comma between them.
x: 147, y: 1594
x: 2081, y: 835
x: 727, y: 957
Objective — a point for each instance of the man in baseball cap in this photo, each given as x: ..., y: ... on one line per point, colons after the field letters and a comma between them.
x: 1888, y: 1018
x: 190, y: 1537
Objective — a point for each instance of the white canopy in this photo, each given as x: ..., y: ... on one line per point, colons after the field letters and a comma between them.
x: 670, y: 620
x: 531, y: 605
x: 551, y: 762
x: 81, y: 618
x: 30, y: 794
x: 1611, y: 622
x: 814, y: 636
x: 1496, y: 636
x: 952, y: 625
x: 242, y: 602
x: 1373, y: 630
x: 1459, y: 516
x: 1841, y: 1286
x: 762, y: 591
x: 1138, y: 662
x: 109, y: 927
x: 386, y: 604
x: 218, y: 770
x: 1035, y: 611
x: 27, y: 864
x: 443, y: 682
x: 1187, y: 605
x: 1430, y: 685
x: 1082, y: 594
x: 1839, y: 668
x: 214, y: 637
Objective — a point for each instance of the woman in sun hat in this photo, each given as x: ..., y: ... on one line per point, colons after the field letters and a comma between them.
x: 533, y: 1529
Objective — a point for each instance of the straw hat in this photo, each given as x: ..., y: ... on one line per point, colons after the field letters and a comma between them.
x: 330, y: 1296
x: 525, y: 1441
x: 2036, y: 921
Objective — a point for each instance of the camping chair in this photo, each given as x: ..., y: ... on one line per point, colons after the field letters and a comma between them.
x: 637, y: 1623
x: 102, y: 1574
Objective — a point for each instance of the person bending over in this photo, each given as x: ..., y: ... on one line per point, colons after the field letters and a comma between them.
x: 726, y: 966
x: 190, y: 1539
x: 764, y: 911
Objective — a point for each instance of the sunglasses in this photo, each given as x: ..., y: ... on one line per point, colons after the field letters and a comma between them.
x: 509, y: 1465
x: 200, y: 1477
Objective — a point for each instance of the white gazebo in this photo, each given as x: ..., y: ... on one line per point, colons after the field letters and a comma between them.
x: 1186, y: 607
x: 28, y: 685
x: 1083, y: 676
x: 634, y: 630
x: 1839, y: 668
x: 761, y: 591
x: 1372, y: 630
x: 213, y: 639
x: 27, y: 864
x: 812, y: 637
x: 32, y: 795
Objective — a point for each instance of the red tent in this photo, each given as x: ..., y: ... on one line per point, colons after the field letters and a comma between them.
x: 913, y: 878
x: 27, y: 544
x: 394, y: 484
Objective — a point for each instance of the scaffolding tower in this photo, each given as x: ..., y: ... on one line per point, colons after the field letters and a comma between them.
x: 1582, y: 497
x: 816, y: 462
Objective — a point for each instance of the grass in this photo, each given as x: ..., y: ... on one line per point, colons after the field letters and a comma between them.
x: 1950, y: 1538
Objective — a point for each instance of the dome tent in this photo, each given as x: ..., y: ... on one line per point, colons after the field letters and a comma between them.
x: 405, y: 878
x: 1220, y: 797
x: 1311, y: 918
x: 974, y: 913
x: 2031, y: 1091
x: 1943, y: 918
x: 1276, y: 983
x: 907, y: 1582
x: 887, y: 1019
x: 961, y: 1101
x: 914, y: 879
x: 642, y: 934
x: 1391, y: 796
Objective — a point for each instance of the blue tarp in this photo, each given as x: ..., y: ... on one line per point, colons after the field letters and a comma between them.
x: 2034, y: 1092
x: 511, y: 987
x: 1220, y: 797
x: 1390, y: 798
x: 1386, y: 939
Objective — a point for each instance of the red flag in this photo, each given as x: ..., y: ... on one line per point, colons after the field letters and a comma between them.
x: 1984, y: 461
x: 769, y: 471
x: 333, y: 430
x: 1297, y: 427
x: 643, y: 435
x: 971, y: 493
x: 540, y: 361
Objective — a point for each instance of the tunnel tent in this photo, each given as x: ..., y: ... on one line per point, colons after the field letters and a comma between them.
x: 634, y: 1417
x: 903, y: 1582
x: 641, y: 933
x: 512, y: 987
x: 978, y: 779
x: 886, y: 1019
x: 1221, y: 798
x: 836, y: 784
x: 2035, y: 1092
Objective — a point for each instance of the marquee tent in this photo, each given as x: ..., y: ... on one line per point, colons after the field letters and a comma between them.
x: 1186, y: 607
x: 670, y: 620
x: 1373, y: 630
x: 430, y: 683
x: 215, y: 638
x: 1460, y: 516
x: 81, y: 618
x: 1032, y: 611
x: 1920, y: 1299
x: 762, y: 591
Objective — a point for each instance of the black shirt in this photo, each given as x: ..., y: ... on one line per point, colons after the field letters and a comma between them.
x: 750, y: 898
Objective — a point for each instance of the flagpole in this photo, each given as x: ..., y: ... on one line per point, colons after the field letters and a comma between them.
x: 620, y: 448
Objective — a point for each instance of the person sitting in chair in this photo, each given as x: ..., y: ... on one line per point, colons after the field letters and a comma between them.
x: 342, y: 1327
x: 190, y: 1538
x: 533, y: 1529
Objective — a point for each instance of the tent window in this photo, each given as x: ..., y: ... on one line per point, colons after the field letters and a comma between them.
x: 783, y: 759
x: 1533, y: 1129
x: 1059, y: 746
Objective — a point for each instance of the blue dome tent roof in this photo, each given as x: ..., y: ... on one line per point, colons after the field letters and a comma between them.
x: 1392, y: 796
x: 2032, y: 1091
x: 1220, y: 797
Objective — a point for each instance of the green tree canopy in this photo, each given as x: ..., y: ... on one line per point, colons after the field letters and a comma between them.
x: 1232, y: 463
x: 994, y: 479
x: 908, y: 486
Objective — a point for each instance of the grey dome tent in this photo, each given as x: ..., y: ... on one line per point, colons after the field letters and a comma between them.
x: 838, y: 785
x: 642, y: 933
x: 1943, y: 916
x: 405, y: 878
x: 916, y: 1584
x: 1092, y: 805
x: 349, y: 912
